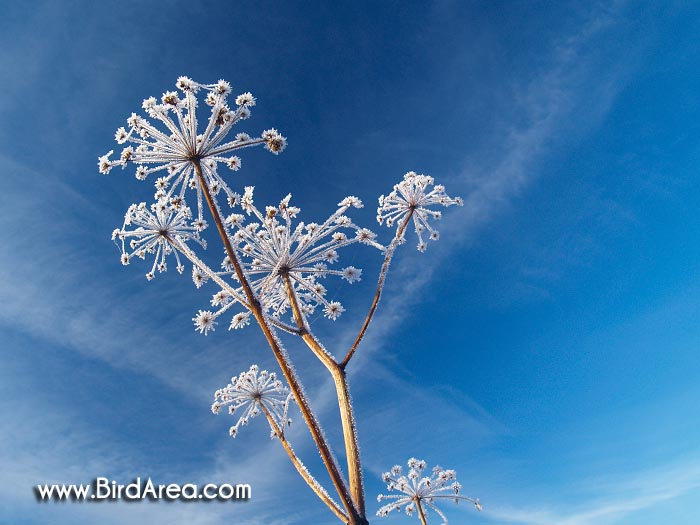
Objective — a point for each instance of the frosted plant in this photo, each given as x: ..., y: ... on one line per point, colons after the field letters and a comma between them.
x: 155, y: 231
x: 277, y: 254
x: 419, y: 492
x: 273, y: 264
x: 177, y: 148
x: 412, y: 198
x: 258, y: 391
x: 252, y: 392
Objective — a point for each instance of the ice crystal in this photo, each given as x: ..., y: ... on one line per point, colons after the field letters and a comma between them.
x: 413, y: 198
x: 418, y: 491
x: 252, y: 392
x: 173, y: 147
x: 159, y: 230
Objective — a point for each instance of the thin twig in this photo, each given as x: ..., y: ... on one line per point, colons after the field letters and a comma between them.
x: 303, y: 472
x: 398, y: 238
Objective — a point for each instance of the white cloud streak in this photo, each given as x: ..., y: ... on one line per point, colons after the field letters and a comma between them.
x: 615, y: 497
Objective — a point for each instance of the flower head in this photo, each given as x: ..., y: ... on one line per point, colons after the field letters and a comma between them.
x: 277, y: 253
x: 204, y: 321
x: 177, y: 143
x: 418, y: 491
x: 240, y: 320
x: 274, y: 141
x: 413, y: 198
x: 158, y: 231
x: 252, y: 392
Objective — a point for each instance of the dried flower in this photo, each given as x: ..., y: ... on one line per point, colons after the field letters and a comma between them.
x: 419, y: 492
x: 179, y: 143
x: 273, y: 249
x: 240, y: 320
x: 160, y: 231
x: 250, y: 392
x: 204, y: 321
x: 413, y: 197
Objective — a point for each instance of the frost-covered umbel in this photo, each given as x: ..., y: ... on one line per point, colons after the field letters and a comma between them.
x: 173, y: 147
x: 252, y: 392
x: 275, y: 249
x: 412, y: 198
x: 160, y: 231
x: 419, y: 492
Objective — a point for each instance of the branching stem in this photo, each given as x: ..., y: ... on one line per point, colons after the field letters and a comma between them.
x: 347, y: 416
x: 282, y: 360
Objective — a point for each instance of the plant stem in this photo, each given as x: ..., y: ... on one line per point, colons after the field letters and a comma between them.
x: 303, y: 472
x: 347, y: 416
x: 282, y: 360
x: 421, y: 515
x: 380, y: 286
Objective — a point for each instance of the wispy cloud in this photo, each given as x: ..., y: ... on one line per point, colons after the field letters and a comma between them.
x: 567, y: 98
x: 75, y: 305
x: 568, y: 90
x: 610, y: 499
x: 58, y: 447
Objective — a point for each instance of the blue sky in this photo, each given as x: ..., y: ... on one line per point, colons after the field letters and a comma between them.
x: 547, y: 347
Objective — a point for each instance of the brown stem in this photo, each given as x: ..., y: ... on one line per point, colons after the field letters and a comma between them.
x: 421, y: 515
x: 282, y: 360
x: 347, y: 417
x: 380, y: 286
x: 303, y: 472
